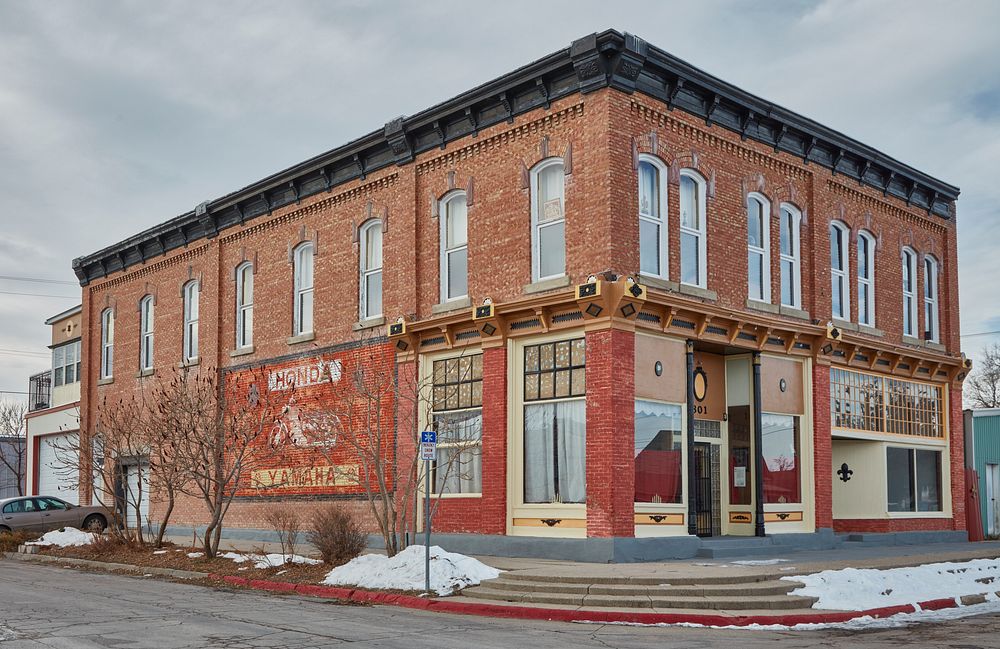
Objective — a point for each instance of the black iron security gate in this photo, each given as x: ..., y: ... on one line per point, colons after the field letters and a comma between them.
x: 703, y: 488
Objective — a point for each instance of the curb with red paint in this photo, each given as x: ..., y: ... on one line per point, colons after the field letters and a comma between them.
x: 449, y: 605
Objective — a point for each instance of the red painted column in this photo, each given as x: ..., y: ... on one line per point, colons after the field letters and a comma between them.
x: 494, y: 501
x: 610, y: 432
x: 822, y: 445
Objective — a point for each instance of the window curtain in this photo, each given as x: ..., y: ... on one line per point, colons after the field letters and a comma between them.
x: 555, y: 452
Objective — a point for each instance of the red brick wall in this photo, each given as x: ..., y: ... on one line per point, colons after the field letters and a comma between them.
x: 822, y: 446
x: 610, y: 427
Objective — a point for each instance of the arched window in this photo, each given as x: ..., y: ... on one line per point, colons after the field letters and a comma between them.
x: 840, y: 296
x: 371, y: 269
x: 652, y: 214
x: 454, y: 247
x: 107, y: 343
x: 866, y: 278
x: 758, y: 248
x: 931, y: 328
x: 692, y: 207
x: 244, y: 305
x: 191, y: 291
x: 303, y: 270
x: 548, y: 220
x: 791, y: 287
x: 146, y: 333
x: 909, y: 292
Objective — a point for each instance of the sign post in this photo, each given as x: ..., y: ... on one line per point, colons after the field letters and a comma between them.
x: 428, y: 452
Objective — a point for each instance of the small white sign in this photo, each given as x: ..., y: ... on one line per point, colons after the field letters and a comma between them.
x: 739, y: 476
x: 428, y: 450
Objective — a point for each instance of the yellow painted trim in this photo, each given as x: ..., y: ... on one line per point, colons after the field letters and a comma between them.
x: 782, y: 517
x: 574, y: 523
x: 665, y: 519
x: 741, y: 517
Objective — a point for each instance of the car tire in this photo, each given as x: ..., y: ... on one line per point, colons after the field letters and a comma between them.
x: 95, y: 523
x: 5, y: 530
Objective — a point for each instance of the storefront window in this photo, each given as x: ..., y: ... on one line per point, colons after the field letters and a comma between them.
x: 913, y: 480
x: 658, y: 452
x: 874, y: 404
x: 780, y: 435
x: 458, y: 419
x: 555, y: 422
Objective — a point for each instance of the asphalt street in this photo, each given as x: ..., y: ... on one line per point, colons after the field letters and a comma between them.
x: 42, y: 606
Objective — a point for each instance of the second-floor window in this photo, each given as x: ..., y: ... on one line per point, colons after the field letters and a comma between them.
x: 652, y: 209
x: 931, y: 332
x: 840, y: 296
x: 371, y: 270
x: 548, y: 220
x: 303, y: 269
x: 66, y: 364
x: 909, y: 292
x: 107, y: 343
x: 146, y: 333
x: 866, y: 279
x: 191, y: 292
x: 692, y: 195
x: 454, y: 247
x: 791, y: 289
x: 758, y: 249
x: 244, y: 305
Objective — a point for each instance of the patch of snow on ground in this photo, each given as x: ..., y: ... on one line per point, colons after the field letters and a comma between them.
x: 274, y: 560
x: 64, y: 538
x: 195, y: 555
x: 858, y: 589
x: 405, y: 571
x: 159, y: 551
x: 865, y: 622
x: 758, y: 562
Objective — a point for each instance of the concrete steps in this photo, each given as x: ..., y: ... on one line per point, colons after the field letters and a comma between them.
x: 749, y: 546
x: 737, y: 593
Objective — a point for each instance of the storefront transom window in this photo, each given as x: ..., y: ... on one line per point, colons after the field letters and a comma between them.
x: 874, y: 404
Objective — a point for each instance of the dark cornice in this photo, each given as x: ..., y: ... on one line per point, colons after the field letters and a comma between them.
x: 608, y: 59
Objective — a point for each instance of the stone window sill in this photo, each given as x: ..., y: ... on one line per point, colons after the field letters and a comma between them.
x: 368, y: 324
x: 301, y: 338
x: 658, y: 282
x: 242, y: 351
x: 767, y: 307
x: 191, y: 362
x: 107, y: 381
x: 452, y: 305
x: 917, y: 342
x: 845, y: 325
x: 547, y: 284
x: 697, y: 291
x: 792, y: 312
x: 144, y: 373
x: 871, y: 331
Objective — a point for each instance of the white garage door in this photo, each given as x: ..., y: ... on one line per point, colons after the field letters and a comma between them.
x: 56, y: 476
x: 138, y: 491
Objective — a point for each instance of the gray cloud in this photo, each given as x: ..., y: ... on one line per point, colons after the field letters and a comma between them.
x: 117, y: 115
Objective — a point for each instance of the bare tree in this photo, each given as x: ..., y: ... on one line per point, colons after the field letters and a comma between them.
x: 13, y: 443
x: 983, y: 388
x: 368, y: 422
x: 220, y: 437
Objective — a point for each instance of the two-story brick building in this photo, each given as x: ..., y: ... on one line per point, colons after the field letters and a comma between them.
x: 666, y: 308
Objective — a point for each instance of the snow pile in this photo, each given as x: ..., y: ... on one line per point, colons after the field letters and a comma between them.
x: 195, y: 555
x: 274, y: 560
x: 64, y: 538
x: 858, y: 589
x: 405, y: 571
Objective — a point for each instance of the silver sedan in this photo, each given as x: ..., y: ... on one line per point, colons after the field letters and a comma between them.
x: 44, y: 513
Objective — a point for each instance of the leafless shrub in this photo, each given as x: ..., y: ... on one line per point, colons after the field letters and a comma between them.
x: 9, y: 541
x: 287, y: 525
x: 107, y: 543
x: 336, y: 535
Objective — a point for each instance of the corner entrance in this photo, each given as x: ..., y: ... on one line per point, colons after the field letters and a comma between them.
x: 706, y: 490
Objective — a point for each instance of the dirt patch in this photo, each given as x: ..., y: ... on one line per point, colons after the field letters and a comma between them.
x: 176, y: 557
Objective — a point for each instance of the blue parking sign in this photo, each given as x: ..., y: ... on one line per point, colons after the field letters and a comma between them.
x: 429, y: 437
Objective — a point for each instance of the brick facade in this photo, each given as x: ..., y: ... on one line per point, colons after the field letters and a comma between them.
x: 599, y: 134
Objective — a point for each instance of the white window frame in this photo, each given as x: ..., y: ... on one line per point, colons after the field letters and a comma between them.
x: 932, y: 319
x: 795, y: 258
x: 146, y: 320
x: 300, y: 328
x: 66, y: 363
x: 660, y: 221
x: 364, y: 273
x: 244, y: 309
x: 107, y: 343
x: 444, y: 215
x: 908, y: 258
x: 868, y: 281
x: 537, y: 227
x: 763, y: 251
x: 699, y: 233
x: 191, y: 293
x: 837, y: 228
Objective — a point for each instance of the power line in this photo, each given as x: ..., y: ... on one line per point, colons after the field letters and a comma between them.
x: 61, y: 297
x: 37, y: 280
x: 981, y: 333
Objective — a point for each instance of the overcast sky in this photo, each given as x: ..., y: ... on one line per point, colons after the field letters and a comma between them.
x: 115, y: 116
